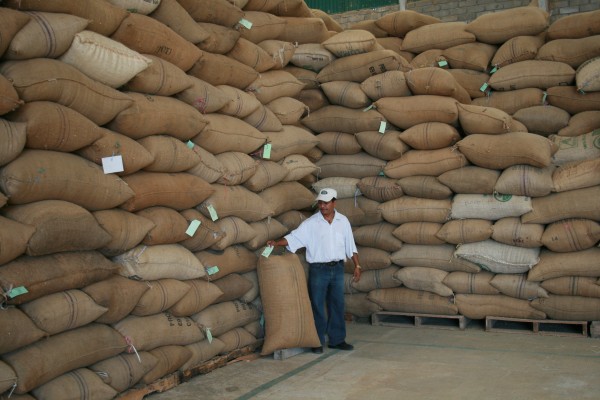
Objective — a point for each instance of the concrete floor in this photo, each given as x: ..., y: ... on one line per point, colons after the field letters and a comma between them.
x: 414, y: 363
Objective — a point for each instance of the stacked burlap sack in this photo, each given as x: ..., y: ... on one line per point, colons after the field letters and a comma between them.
x: 227, y: 117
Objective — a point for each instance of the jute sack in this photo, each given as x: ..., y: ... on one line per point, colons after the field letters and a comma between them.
x: 507, y: 149
x: 125, y: 370
x: 490, y: 207
x: 126, y: 230
x: 432, y: 256
x: 350, y: 209
x: 576, y: 148
x: 500, y: 26
x: 237, y: 231
x: 419, y: 233
x: 166, y: 330
x: 291, y: 140
x: 580, y: 123
x: 201, y: 295
x: 203, y: 96
x: 442, y: 35
x: 429, y: 58
x: 286, y: 196
x: 62, y: 311
x: 161, y: 295
x: 235, y: 339
x: 378, y: 236
x: 578, y: 203
x: 556, y: 265
x: 511, y: 231
x: 221, y: 40
x: 470, y: 179
x: 413, y: 209
x: 483, y: 120
x: 314, y: 99
x: 77, y: 230
x: 422, y: 278
x: 572, y: 286
x: 379, y: 188
x: 80, y: 382
x: 532, y: 74
x: 9, y: 98
x: 268, y: 173
x: 499, y: 258
x: 271, y: 85
x: 338, y: 143
x: 48, y: 79
x: 356, y: 166
x: 17, y: 330
x: 178, y: 190
x: 386, y: 84
x: 350, y: 42
x: 479, y: 306
x: 575, y: 26
x: 571, y: 235
x: 104, y: 18
x: 386, y: 146
x: 47, y: 35
x: 298, y: 166
x: 470, y: 283
x: 207, y: 234
x: 569, y: 308
x: 47, y: 359
x: 288, y: 315
x: 70, y: 178
x: 543, y: 120
x: 359, y: 305
x: 173, y: 15
x: 424, y: 186
x: 147, y: 35
x: 525, y: 180
x: 234, y: 259
x: 159, y: 262
x: 293, y: 218
x: 202, y: 351
x: 330, y: 22
x: 240, y: 104
x: 161, y: 78
x: 14, y: 237
x: 12, y: 21
x: 406, y: 112
x: 287, y: 109
x: 119, y: 295
x: 572, y: 101
x: 253, y: 293
x: 225, y: 133
x: 233, y: 286
x: 519, y: 48
x: 346, y: 94
x: 465, y: 231
x: 170, y: 359
x: 208, y: 168
x: 238, y: 167
x: 13, y: 135
x: 148, y: 116
x: 399, y: 23
x: 395, y: 44
x: 475, y: 56
x: 51, y: 126
x: 576, y: 175
x: 472, y: 81
x: 222, y: 317
x: 371, y: 258
x: 573, y: 52
x: 512, y: 101
x: 375, y: 279
x: 252, y: 55
x: 430, y: 136
x: 8, y: 378
x: 345, y: 187
x: 342, y: 119
x: 412, y: 301
x: 517, y: 286
x: 169, y: 154
x: 218, y: 12
x: 169, y: 225
x: 236, y: 201
x: 265, y: 26
x: 218, y: 69
x: 279, y: 51
x: 312, y: 57
x: 425, y: 162
x: 103, y: 59
x: 359, y: 67
x: 303, y: 30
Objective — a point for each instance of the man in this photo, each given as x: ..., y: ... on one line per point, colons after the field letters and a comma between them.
x: 327, y: 237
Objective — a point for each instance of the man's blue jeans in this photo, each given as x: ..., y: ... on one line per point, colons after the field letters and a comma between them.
x: 326, y: 291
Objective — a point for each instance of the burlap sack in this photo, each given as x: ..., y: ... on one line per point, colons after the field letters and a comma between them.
x: 202, y: 351
x: 386, y: 84
x: 235, y: 201
x: 240, y: 104
x: 237, y: 168
x: 234, y: 259
x: 161, y: 295
x: 47, y: 359
x: 425, y: 162
x: 303, y: 30
x: 169, y: 154
x: 253, y: 293
x: 540, y: 74
x: 215, y: 11
x: 279, y: 51
x: 291, y: 140
x: 206, y: 234
x: 379, y: 188
x: 413, y: 209
x: 12, y: 21
x: 286, y: 196
x: 430, y: 136
x: 569, y: 308
x: 80, y: 382
x: 419, y: 233
x: 125, y: 370
x: 572, y: 286
x: 235, y: 339
x: 359, y: 67
x: 386, y: 146
x: 345, y: 187
x: 350, y: 42
x: 360, y: 306
x: 9, y: 98
x: 507, y: 149
x: 173, y: 15
x: 512, y: 232
x: 572, y: 101
x: 287, y: 109
x: 266, y: 229
x: 517, y: 285
x: 576, y: 148
x: 575, y: 26
x: 371, y: 258
x: 8, y: 378
x: 117, y: 294
x: 500, y: 26
x: 330, y: 22
x: 395, y: 44
x: 357, y: 166
x: 221, y: 38
x: 578, y: 203
x: 432, y: 256
x: 576, y: 175
x: 441, y: 36
x: 470, y: 283
x: 472, y: 81
x: 470, y: 179
x: 237, y: 231
x: 399, y: 23
x: 346, y: 94
x: 405, y: 112
x: 13, y: 135
x: 169, y: 359
x: 203, y: 96
x: 48, y: 79
x: 273, y: 84
x: 556, y: 265
x: 479, y: 306
x: 580, y: 123
x: 433, y: 81
x: 465, y: 231
x: 293, y: 218
x: 252, y: 55
x: 573, y: 52
x: 512, y: 101
x: 543, y: 120
x: 14, y: 237
x: 525, y: 180
x: 17, y: 330
x: 341, y: 119
x: 233, y: 286
x: 209, y: 168
x: 412, y: 301
x: 427, y: 279
x: 268, y: 173
x: 483, y: 120
x: 104, y: 18
x: 222, y: 317
x: 218, y: 69
x: 161, y: 78
x: 499, y: 258
x: 475, y: 56
x: 423, y: 186
x: 519, y: 48
x: 200, y: 295
x: 126, y: 229
x: 297, y: 166
x: 225, y: 133
x: 374, y: 279
x: 571, y: 235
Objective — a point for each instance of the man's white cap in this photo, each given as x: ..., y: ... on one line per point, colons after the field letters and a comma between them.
x: 326, y: 194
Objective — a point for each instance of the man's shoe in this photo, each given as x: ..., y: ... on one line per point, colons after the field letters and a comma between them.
x: 342, y: 346
x: 317, y: 350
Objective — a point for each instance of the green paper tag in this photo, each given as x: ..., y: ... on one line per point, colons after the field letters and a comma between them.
x: 368, y: 108
x: 494, y: 70
x: 442, y: 63
x: 194, y: 225
x: 190, y: 144
x: 267, y: 151
x: 382, y: 126
x: 17, y: 292
x: 208, y: 335
x: 212, y: 270
x: 213, y: 213
x: 245, y: 23
x: 267, y: 251
x: 483, y: 87
x: 381, y: 173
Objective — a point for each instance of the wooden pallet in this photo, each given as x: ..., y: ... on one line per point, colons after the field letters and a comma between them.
x: 537, y: 326
x: 400, y: 319
x: 176, y: 378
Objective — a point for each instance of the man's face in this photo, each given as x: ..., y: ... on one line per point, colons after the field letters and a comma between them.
x: 326, y: 207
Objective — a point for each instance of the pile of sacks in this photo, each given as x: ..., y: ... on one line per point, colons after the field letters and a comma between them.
x: 150, y: 149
